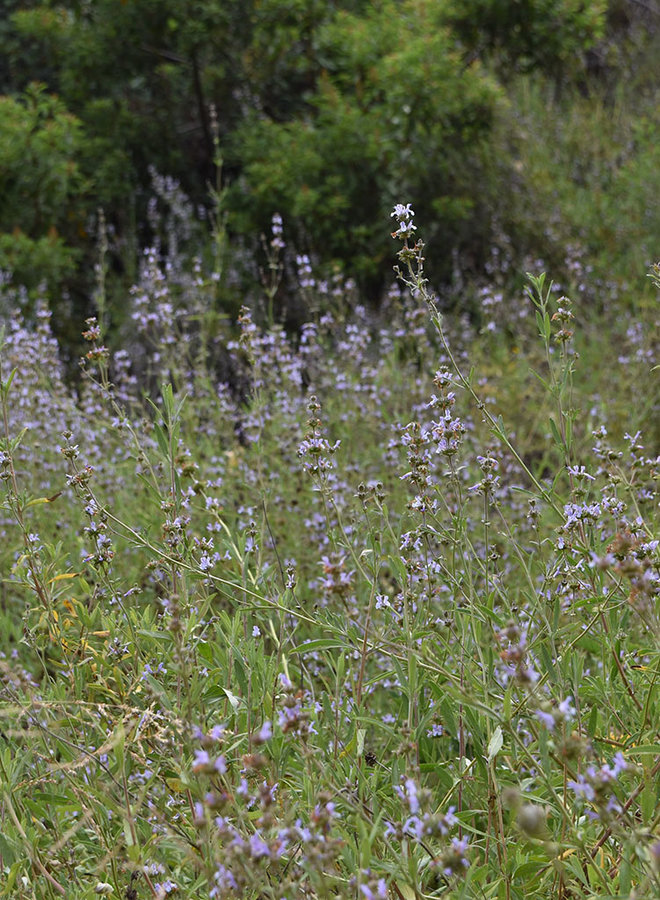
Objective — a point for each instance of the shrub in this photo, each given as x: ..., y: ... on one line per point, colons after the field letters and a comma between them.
x: 41, y: 185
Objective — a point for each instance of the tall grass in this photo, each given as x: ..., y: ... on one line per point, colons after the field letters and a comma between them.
x: 369, y: 612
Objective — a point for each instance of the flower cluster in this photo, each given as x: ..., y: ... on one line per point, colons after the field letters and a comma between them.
x: 564, y: 316
x: 447, y: 432
x: 490, y: 481
x: 424, y: 824
x: 404, y: 215
x: 514, y: 650
x: 277, y: 232
x: 207, y: 762
x: 550, y: 716
x: 103, y: 551
x: 293, y: 716
x: 597, y: 787
x: 372, y: 887
x: 315, y: 450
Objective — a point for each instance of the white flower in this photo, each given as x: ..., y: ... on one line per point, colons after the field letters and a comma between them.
x: 402, y: 211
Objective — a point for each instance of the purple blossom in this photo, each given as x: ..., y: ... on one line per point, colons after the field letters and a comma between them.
x: 546, y: 718
x: 408, y: 793
x: 582, y: 788
x: 224, y: 881
x: 217, y: 732
x: 566, y: 709
x: 620, y: 763
x: 243, y: 790
x: 265, y: 733
x: 258, y: 847
x: 201, y: 761
x: 370, y: 894
x: 455, y: 857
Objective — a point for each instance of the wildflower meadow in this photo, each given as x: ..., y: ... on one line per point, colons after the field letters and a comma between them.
x: 367, y: 609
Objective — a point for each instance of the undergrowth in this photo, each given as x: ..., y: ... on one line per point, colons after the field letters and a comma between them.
x: 368, y: 612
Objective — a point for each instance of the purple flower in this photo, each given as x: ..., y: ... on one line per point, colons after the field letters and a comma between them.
x: 224, y: 880
x: 566, y: 709
x: 243, y: 790
x: 265, y: 733
x: 620, y: 763
x: 415, y: 827
x: 408, y: 793
x: 546, y: 718
x: 258, y: 847
x: 202, y: 760
x: 203, y: 763
x: 380, y: 892
x: 582, y: 788
x: 304, y: 832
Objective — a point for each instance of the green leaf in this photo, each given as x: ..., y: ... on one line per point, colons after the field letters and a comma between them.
x: 625, y: 880
x: 645, y: 750
x: 214, y: 692
x: 233, y: 699
x: 648, y: 801
x: 119, y: 740
x: 593, y: 720
x: 555, y: 433
x: 162, y: 439
x: 7, y: 851
x: 11, y: 878
x: 539, y: 323
x: 241, y: 674
x: 7, y: 384
x: 54, y: 799
x: 506, y: 704
x: 495, y: 744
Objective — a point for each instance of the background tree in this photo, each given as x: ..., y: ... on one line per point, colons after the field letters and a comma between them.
x: 325, y: 112
x: 42, y: 214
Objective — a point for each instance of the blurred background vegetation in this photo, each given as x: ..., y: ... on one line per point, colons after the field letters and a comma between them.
x: 518, y: 130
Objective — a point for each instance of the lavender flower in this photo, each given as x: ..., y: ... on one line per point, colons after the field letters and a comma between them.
x: 404, y: 215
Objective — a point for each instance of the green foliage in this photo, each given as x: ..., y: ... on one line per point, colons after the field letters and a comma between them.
x: 591, y: 165
x: 395, y: 112
x: 41, y: 184
x: 325, y: 112
x: 527, y: 35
